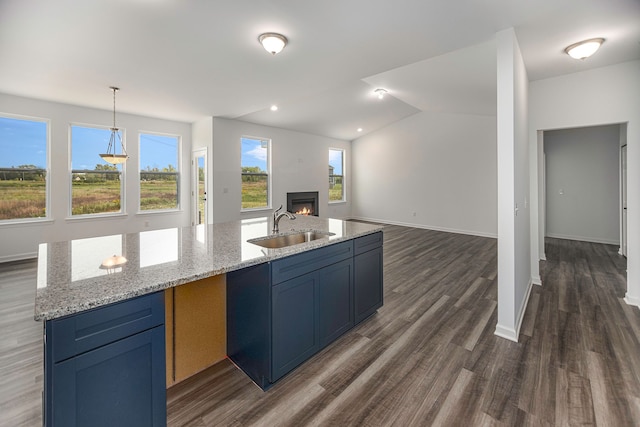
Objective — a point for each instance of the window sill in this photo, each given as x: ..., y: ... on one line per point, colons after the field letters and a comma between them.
x: 338, y: 202
x: 268, y: 208
x: 159, y: 211
x: 94, y: 217
x: 9, y: 223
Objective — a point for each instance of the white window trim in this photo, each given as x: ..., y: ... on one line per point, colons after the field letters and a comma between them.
x: 123, y: 179
x: 344, y: 177
x: 269, y: 176
x: 47, y: 191
x: 178, y: 167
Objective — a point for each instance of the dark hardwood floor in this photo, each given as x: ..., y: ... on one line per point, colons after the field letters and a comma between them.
x: 428, y: 357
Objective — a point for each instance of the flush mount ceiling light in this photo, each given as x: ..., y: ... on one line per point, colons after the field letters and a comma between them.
x: 380, y: 93
x: 584, y: 49
x: 359, y: 129
x: 273, y: 42
x: 110, y: 156
x: 274, y: 108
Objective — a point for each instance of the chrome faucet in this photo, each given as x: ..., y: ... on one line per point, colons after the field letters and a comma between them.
x: 277, y: 216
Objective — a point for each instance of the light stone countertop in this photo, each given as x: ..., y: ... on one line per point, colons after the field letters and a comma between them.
x: 70, y: 277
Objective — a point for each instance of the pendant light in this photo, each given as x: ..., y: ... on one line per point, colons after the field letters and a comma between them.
x: 110, y: 156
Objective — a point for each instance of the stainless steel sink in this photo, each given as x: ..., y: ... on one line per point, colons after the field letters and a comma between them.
x: 289, y: 239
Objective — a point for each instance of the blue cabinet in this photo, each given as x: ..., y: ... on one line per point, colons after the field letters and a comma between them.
x: 368, y: 275
x: 281, y: 313
x: 295, y: 323
x: 106, y: 367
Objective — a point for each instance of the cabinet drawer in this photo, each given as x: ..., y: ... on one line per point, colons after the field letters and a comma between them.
x: 368, y: 242
x: 306, y: 262
x: 85, y: 331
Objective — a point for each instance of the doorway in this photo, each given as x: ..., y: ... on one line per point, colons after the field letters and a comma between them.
x: 199, y: 187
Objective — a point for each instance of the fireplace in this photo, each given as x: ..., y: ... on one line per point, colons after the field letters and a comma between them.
x: 303, y: 203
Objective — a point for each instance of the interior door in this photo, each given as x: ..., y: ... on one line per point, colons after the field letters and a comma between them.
x: 199, y: 188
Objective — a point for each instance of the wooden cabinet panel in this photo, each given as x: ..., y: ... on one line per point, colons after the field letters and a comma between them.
x: 199, y: 325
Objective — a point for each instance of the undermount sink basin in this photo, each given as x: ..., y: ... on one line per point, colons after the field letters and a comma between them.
x: 289, y: 239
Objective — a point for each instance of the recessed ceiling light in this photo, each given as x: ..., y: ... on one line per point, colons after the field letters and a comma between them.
x: 380, y: 92
x: 584, y: 49
x: 274, y: 108
x: 359, y: 129
x: 273, y: 42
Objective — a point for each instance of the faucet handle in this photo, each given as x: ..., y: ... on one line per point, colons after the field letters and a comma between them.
x: 278, y: 210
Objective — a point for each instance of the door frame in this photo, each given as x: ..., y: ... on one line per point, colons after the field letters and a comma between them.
x: 195, y: 155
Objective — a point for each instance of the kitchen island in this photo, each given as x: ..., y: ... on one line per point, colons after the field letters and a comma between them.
x: 105, y: 334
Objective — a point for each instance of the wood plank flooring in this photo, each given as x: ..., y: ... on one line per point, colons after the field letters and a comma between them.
x: 428, y: 357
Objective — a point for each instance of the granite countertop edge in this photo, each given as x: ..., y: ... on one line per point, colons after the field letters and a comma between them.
x: 45, y: 310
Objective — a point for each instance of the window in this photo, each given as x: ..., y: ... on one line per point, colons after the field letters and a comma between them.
x: 255, y: 172
x: 23, y: 168
x: 336, y: 175
x: 159, y: 172
x: 96, y: 186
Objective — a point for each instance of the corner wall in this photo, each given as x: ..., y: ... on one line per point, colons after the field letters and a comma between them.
x: 514, y: 269
x: 20, y: 239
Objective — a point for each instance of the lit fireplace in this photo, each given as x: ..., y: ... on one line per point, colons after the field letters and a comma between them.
x: 303, y: 203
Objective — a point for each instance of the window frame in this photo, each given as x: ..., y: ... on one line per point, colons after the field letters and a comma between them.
x: 122, y: 211
x: 178, y: 173
x: 344, y: 187
x: 269, y: 174
x: 47, y: 217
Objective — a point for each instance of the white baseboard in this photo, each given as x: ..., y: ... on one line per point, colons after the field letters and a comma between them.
x: 506, y: 333
x: 428, y: 227
x: 510, y: 333
x: 632, y: 300
x: 536, y: 280
x: 584, y: 239
x: 18, y: 257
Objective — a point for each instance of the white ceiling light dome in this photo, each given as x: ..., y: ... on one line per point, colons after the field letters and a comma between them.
x: 273, y: 42
x: 584, y: 49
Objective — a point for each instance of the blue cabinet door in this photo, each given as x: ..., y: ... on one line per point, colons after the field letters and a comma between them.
x: 336, y: 301
x: 119, y: 384
x: 294, y: 323
x: 368, y: 283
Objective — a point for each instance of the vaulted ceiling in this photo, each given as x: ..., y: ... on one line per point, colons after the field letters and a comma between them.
x: 186, y: 59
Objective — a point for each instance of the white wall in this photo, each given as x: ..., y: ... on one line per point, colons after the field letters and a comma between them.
x: 514, y: 269
x: 440, y: 166
x: 601, y: 96
x: 582, y: 184
x: 20, y: 240
x: 299, y: 162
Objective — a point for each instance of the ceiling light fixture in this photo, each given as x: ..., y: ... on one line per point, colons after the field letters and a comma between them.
x: 380, y: 92
x: 584, y: 49
x: 274, y: 108
x: 359, y: 129
x: 110, y: 156
x: 273, y: 42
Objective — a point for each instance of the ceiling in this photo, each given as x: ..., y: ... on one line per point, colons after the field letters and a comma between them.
x: 185, y: 59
